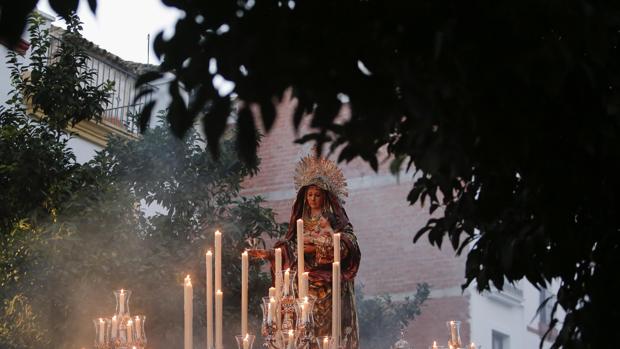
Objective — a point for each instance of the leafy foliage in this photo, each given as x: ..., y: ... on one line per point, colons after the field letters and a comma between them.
x: 381, y: 319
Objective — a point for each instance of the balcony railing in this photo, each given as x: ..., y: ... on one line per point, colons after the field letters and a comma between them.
x: 122, y: 108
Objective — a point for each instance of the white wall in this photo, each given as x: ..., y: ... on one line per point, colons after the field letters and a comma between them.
x: 511, y: 313
x: 83, y: 149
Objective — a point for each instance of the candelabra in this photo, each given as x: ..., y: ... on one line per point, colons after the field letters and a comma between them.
x: 288, y: 323
x: 121, y: 331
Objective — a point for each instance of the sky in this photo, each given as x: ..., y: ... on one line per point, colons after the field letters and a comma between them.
x: 121, y: 26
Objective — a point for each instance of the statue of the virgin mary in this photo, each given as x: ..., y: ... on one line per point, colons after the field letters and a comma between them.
x: 321, y: 189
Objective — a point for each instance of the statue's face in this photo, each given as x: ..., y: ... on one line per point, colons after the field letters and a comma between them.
x: 315, y: 197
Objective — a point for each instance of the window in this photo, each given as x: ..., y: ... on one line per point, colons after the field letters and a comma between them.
x: 500, y: 340
x: 545, y: 311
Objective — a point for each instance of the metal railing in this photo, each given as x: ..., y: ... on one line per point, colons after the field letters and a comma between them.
x: 121, y: 110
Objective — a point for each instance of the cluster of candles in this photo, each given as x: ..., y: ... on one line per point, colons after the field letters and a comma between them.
x: 455, y: 338
x: 282, y: 284
x: 121, y: 330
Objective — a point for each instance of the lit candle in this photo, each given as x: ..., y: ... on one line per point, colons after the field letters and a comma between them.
x: 434, y: 344
x: 244, y: 292
x: 272, y: 292
x: 121, y: 301
x: 304, y: 310
x: 291, y: 339
x: 114, y: 327
x: 300, y: 251
x: 138, y: 326
x: 337, y: 247
x: 101, y: 331
x: 188, y: 297
x: 209, y: 283
x: 246, y: 341
x: 287, y: 280
x: 219, y: 297
x: 271, y: 309
x: 472, y: 345
x: 303, y: 290
x: 326, y: 343
x: 129, y: 332
x: 336, y: 303
x: 278, y: 273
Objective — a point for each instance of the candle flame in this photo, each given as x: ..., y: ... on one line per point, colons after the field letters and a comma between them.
x: 247, y: 337
x: 272, y: 299
x: 291, y: 333
x: 325, y: 340
x: 217, y: 232
x: 100, y: 320
x: 218, y: 292
x: 129, y: 322
x: 209, y: 253
x: 137, y: 317
x: 122, y: 291
x: 188, y: 280
x: 245, y: 253
x: 114, y: 317
x: 306, y: 299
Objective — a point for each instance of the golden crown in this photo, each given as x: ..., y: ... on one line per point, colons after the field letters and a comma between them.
x: 323, y: 173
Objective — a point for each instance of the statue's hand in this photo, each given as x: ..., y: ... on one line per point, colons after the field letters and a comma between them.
x: 259, y: 253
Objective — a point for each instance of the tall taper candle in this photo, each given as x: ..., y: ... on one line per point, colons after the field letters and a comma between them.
x: 278, y: 273
x: 337, y: 247
x: 219, y: 305
x: 188, y: 311
x: 300, y: 251
x: 244, y: 292
x: 129, y: 334
x: 336, y: 303
x: 209, y: 300
x: 218, y: 260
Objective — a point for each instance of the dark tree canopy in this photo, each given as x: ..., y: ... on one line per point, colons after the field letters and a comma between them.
x: 509, y: 110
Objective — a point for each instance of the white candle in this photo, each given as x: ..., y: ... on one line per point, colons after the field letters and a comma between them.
x: 300, y: 250
x: 129, y: 336
x: 291, y: 339
x: 209, y: 300
x: 272, y: 292
x: 218, y: 260
x: 336, y: 303
x: 303, y: 290
x: 337, y: 247
x: 287, y: 280
x: 188, y: 311
x: 472, y: 345
x: 244, y: 292
x: 434, y: 344
x: 219, y: 298
x: 326, y: 343
x: 453, y: 333
x: 114, y: 327
x: 121, y: 302
x: 271, y: 309
x: 304, y: 310
x: 246, y: 341
x: 138, y: 326
x: 278, y: 273
x: 101, y: 331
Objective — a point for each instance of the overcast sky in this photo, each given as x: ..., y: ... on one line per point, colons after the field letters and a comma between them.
x: 122, y: 26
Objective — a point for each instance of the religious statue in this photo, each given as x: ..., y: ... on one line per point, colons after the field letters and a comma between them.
x: 321, y: 189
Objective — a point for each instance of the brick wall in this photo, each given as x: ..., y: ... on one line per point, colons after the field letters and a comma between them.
x: 385, y: 225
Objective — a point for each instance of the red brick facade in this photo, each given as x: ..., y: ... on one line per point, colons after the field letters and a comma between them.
x: 385, y: 224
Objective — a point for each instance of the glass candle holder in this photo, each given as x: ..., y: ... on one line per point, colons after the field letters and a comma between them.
x: 289, y: 282
x: 325, y: 342
x: 138, y: 330
x: 245, y: 341
x: 455, y: 335
x: 122, y: 303
x: 101, y: 332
